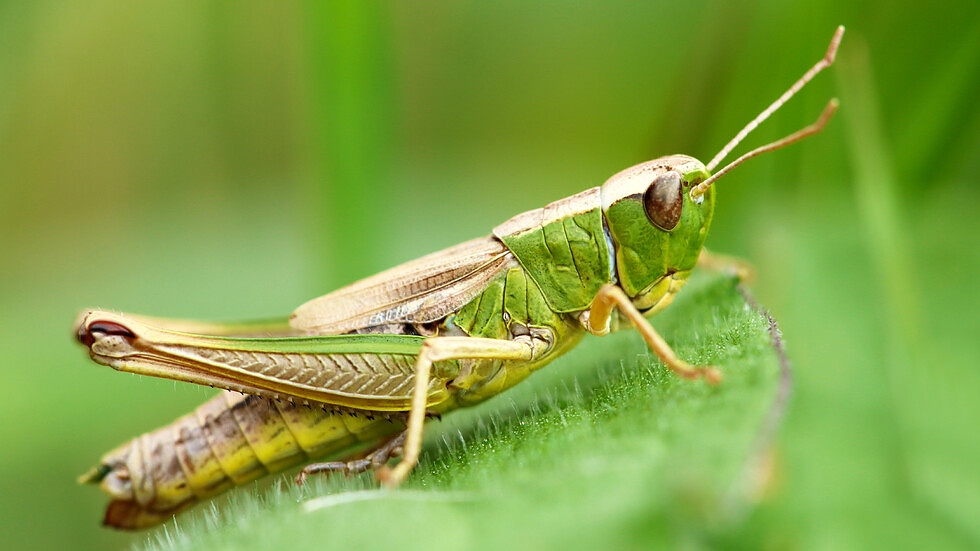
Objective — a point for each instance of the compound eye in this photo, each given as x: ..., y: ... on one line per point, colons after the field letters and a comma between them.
x: 663, y: 201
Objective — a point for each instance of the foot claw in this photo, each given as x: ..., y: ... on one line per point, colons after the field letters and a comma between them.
x: 392, y: 477
x: 383, y: 474
x: 711, y: 375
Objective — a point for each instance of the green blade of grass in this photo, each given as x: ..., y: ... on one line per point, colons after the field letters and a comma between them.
x: 352, y: 100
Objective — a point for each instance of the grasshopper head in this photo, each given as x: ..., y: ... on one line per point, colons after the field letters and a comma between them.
x: 659, y: 211
x: 657, y: 227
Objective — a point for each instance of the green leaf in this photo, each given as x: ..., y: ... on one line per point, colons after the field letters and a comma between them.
x: 603, y: 448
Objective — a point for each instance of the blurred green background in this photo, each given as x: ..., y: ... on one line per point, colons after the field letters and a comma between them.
x: 232, y: 160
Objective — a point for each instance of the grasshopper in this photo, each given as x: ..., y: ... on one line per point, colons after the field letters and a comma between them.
x: 362, y: 368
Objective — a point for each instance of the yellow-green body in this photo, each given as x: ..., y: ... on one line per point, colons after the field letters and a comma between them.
x: 547, y: 266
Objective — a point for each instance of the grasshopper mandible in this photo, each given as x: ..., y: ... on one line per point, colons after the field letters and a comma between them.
x: 367, y: 363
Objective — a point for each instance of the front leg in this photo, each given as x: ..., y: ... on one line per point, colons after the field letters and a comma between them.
x: 441, y: 349
x: 611, y: 296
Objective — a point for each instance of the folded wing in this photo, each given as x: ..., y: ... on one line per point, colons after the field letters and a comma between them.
x: 420, y: 291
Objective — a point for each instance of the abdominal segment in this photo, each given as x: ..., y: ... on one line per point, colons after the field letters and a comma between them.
x: 229, y: 440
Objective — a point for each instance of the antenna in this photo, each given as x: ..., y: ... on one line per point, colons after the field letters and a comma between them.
x: 817, y: 126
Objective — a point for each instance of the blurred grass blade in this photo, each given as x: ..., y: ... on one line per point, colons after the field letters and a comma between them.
x: 352, y: 93
x: 914, y: 377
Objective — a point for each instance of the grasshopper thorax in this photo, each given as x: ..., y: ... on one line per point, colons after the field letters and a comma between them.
x: 656, y: 226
